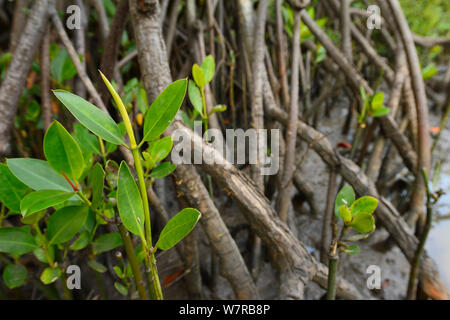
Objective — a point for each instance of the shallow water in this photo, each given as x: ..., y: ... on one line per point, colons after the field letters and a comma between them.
x: 438, y: 243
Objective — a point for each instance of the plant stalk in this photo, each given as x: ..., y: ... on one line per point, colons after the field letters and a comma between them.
x: 332, y: 274
x: 414, y: 272
x: 156, y: 289
x: 133, y: 262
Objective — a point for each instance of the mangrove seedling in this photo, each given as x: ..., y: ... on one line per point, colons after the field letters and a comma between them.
x: 355, y: 214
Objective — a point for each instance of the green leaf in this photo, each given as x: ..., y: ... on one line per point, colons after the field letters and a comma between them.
x: 429, y: 71
x: 321, y: 54
x: 12, y: 190
x: 121, y: 288
x: 365, y: 204
x: 380, y: 112
x: 198, y: 76
x: 107, y: 242
x: 177, y: 228
x: 163, y: 170
x: 163, y: 109
x: 97, y: 181
x: 85, y: 139
x: 65, y: 223
x: 352, y: 250
x: 91, y: 117
x: 377, y: 100
x: 362, y: 222
x: 208, y: 68
x: 14, y: 275
x: 16, y: 241
x: 160, y: 149
x: 118, y: 271
x: 81, y: 242
x: 358, y: 237
x: 363, y: 93
x: 129, y: 201
x: 345, y: 196
x: 43, y: 199
x: 218, y: 108
x: 33, y: 218
x: 97, y: 266
x: 195, y: 97
x: 39, y: 253
x: 436, y: 174
x: 50, y: 275
x: 62, y: 67
x: 141, y: 100
x: 37, y: 174
x: 345, y: 214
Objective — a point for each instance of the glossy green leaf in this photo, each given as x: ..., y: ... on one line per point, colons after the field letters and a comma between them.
x: 218, y: 108
x: 43, y: 199
x: 362, y: 222
x: 365, y: 204
x: 163, y: 170
x: 163, y: 110
x: 91, y: 117
x: 65, y: 223
x: 345, y: 196
x: 429, y: 71
x: 37, y: 174
x: 97, y: 266
x: 33, y: 217
x: 39, y: 253
x: 380, y: 112
x: 199, y: 77
x: 363, y: 93
x: 160, y: 149
x: 16, y: 241
x: 358, y: 237
x: 85, y: 139
x: 345, y: 214
x: 50, y: 275
x: 208, y: 68
x: 12, y: 190
x: 129, y: 201
x: 141, y: 100
x: 62, y: 151
x: 119, y: 272
x: 62, y: 67
x: 352, y: 250
x: 97, y: 181
x: 377, y: 100
x: 121, y: 288
x: 14, y: 275
x: 107, y: 242
x: 177, y: 228
x: 81, y: 242
x: 195, y: 97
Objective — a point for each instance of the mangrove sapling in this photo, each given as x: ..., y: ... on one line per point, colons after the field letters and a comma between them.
x: 73, y: 184
x: 371, y: 106
x: 196, y: 92
x: 356, y: 215
x: 432, y: 198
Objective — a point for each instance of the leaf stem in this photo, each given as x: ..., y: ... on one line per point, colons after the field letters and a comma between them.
x: 133, y: 261
x: 156, y: 290
x: 102, y: 149
x: 415, y: 263
x: 332, y: 274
